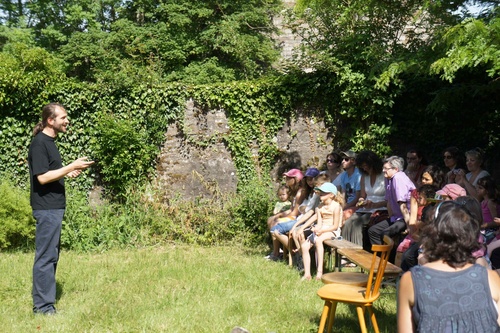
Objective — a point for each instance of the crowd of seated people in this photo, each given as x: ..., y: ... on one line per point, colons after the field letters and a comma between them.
x: 377, y: 197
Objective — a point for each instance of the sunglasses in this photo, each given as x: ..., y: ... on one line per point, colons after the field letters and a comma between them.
x: 328, y: 160
x: 448, y: 157
x: 347, y: 159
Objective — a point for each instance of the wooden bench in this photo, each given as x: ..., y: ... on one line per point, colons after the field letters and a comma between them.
x: 336, y: 245
x: 363, y: 259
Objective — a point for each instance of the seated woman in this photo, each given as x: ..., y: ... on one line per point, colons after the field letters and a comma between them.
x: 453, y: 161
x: 306, y: 210
x: 296, y: 184
x: 449, y: 293
x: 372, y: 196
x: 474, y: 161
x: 333, y: 166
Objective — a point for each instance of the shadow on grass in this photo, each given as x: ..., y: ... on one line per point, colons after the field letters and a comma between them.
x: 59, y: 290
x: 347, y: 323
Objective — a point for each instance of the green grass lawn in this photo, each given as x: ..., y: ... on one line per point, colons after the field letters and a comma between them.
x: 173, y: 289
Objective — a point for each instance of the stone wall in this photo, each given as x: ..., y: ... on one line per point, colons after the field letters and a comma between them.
x: 195, y: 162
x: 191, y: 169
x: 286, y: 39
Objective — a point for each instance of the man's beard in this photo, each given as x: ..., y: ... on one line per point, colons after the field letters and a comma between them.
x: 60, y: 128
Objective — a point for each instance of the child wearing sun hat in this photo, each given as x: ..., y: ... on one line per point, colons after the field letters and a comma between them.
x: 329, y: 215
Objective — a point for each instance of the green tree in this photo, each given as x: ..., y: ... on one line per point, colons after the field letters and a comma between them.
x: 167, y: 39
x: 375, y: 52
x: 472, y: 43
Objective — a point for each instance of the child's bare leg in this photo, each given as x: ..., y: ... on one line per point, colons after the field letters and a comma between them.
x: 320, y: 253
x: 305, y: 247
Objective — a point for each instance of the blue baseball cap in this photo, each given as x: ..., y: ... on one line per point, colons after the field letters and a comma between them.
x: 311, y: 172
x: 327, y: 188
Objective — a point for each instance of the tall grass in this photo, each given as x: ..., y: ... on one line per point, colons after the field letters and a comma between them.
x: 173, y: 289
x: 142, y: 219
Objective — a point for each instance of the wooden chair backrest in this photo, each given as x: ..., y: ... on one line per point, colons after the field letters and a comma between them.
x: 382, y: 251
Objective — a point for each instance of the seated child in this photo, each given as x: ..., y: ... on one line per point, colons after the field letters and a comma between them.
x: 419, y: 199
x: 490, y: 207
x: 284, y: 203
x: 329, y: 215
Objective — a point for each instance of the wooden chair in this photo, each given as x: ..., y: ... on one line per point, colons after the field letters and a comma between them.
x: 361, y: 297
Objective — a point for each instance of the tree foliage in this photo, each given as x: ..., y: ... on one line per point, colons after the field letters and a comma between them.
x: 472, y: 43
x: 381, y: 74
x: 379, y: 51
x: 151, y: 40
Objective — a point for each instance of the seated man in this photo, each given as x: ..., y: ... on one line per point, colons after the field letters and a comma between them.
x: 348, y: 182
x: 398, y: 189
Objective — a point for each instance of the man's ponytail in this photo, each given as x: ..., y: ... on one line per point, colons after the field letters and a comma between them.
x: 38, y: 128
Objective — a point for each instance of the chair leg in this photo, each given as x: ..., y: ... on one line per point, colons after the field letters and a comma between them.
x: 331, y: 316
x: 361, y: 318
x: 373, y: 319
x: 324, y: 316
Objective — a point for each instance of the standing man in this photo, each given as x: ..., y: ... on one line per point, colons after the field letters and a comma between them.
x: 48, y: 201
x: 398, y: 189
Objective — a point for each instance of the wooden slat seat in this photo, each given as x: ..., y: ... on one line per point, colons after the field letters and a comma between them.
x: 347, y: 278
x: 363, y: 259
x: 337, y: 244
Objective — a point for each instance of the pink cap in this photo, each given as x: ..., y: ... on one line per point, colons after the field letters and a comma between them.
x: 294, y: 173
x: 452, y: 190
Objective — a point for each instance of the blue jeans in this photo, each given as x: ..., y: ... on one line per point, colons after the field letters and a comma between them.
x: 283, y: 227
x: 47, y: 240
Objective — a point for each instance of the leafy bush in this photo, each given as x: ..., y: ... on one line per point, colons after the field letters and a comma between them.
x: 124, y: 152
x: 18, y: 226
x: 251, y: 208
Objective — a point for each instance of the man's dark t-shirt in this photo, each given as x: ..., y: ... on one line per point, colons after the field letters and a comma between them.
x: 44, y: 156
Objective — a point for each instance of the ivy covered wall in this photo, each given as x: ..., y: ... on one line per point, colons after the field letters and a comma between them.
x: 264, y: 122
x: 124, y: 130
